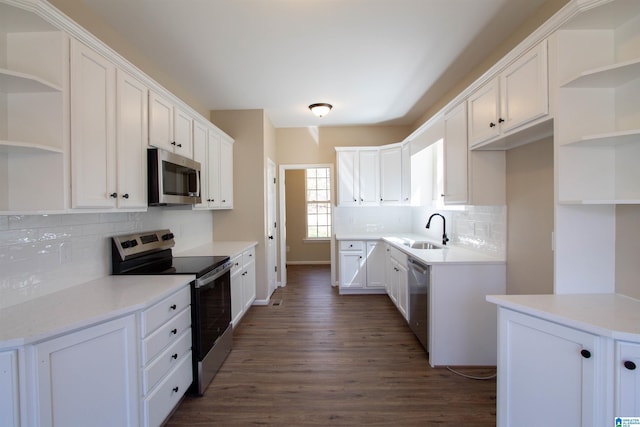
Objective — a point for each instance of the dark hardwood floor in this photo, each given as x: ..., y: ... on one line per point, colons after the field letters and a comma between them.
x: 320, y: 359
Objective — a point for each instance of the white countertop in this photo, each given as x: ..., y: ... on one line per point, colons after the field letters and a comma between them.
x: 610, y: 315
x: 230, y: 248
x: 447, y: 255
x: 83, y: 305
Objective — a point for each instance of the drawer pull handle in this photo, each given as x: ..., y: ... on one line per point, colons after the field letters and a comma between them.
x: 174, y: 356
x: 175, y: 389
x: 630, y: 365
x: 585, y: 353
x: 174, y: 331
x: 173, y: 307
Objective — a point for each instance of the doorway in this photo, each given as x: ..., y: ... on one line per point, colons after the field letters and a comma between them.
x: 305, y: 237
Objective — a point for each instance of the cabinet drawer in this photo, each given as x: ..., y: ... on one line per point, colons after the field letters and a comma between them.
x: 248, y: 256
x: 165, y: 362
x: 155, y: 316
x: 351, y: 245
x: 236, y: 264
x: 166, y: 396
x: 165, y: 335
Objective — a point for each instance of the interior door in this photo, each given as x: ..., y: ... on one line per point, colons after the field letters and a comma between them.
x: 272, y: 236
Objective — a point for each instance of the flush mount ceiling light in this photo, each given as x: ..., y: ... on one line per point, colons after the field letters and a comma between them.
x: 320, y: 109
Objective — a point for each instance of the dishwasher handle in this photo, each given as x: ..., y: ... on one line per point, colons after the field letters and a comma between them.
x: 420, y: 268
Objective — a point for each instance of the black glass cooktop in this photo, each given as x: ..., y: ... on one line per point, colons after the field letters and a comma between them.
x: 198, y: 265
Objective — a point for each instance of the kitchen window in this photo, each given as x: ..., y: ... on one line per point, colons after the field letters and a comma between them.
x: 318, y: 201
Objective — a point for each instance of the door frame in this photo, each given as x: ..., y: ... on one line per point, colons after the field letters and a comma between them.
x: 282, y: 235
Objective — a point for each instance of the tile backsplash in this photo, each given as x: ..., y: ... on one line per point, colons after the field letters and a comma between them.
x: 41, y: 254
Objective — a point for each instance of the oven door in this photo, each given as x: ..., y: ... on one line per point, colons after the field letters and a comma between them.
x: 211, y: 312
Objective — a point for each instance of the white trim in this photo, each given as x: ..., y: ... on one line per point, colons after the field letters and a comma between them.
x: 260, y: 302
x: 318, y: 240
x: 282, y: 215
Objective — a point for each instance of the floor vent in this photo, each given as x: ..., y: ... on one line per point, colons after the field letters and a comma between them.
x: 276, y: 303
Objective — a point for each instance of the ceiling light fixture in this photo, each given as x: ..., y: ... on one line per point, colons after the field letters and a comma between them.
x: 320, y: 109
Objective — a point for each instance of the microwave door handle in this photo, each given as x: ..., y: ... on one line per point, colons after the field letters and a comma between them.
x: 198, y: 184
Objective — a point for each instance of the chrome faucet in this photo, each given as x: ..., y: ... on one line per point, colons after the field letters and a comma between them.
x: 445, y: 239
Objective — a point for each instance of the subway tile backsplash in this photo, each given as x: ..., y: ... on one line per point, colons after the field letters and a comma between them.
x: 41, y: 254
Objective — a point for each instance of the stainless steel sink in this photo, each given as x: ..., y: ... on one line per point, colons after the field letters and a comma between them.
x: 422, y: 245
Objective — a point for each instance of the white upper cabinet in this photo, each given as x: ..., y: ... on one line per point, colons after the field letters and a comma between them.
x: 358, y: 176
x: 170, y: 127
x: 455, y: 156
x: 515, y: 99
x: 108, y: 134
x: 406, y: 173
x: 34, y: 114
x: 214, y: 151
x: 93, y: 139
x: 131, y: 141
x: 391, y: 175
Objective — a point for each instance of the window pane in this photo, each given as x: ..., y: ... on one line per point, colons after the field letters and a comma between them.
x: 318, y: 194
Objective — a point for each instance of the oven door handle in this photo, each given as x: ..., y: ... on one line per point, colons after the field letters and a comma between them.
x: 206, y: 281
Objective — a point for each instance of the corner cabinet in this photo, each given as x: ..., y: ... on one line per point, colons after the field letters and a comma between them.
x: 89, y: 377
x: 108, y: 134
x: 34, y: 117
x: 361, y: 267
x: 214, y: 151
x: 470, y: 177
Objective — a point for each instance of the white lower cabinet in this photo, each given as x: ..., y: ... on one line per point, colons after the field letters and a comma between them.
x: 243, y: 284
x: 550, y: 374
x: 362, y: 266
x: 89, y: 377
x: 397, y: 276
x: 627, y: 379
x: 165, y: 356
x: 9, y: 389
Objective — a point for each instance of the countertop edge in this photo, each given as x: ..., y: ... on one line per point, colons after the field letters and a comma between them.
x: 519, y: 304
x: 123, y: 303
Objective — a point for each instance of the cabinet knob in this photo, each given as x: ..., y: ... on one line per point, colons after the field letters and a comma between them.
x: 125, y: 196
x: 173, y: 307
x: 173, y: 143
x: 500, y: 120
x: 174, y: 356
x: 179, y: 145
x: 224, y: 201
x: 492, y: 125
x: 355, y: 200
x: 585, y: 353
x: 629, y: 365
x: 174, y: 331
x: 113, y: 195
x: 175, y: 389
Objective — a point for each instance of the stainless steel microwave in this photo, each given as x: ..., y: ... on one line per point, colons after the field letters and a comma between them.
x: 173, y: 179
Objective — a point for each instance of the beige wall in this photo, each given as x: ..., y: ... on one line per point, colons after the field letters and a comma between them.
x: 246, y: 222
x: 627, y: 250
x: 87, y: 19
x: 299, y: 251
x: 530, y: 206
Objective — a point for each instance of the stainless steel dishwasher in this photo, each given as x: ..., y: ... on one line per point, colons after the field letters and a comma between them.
x: 419, y: 280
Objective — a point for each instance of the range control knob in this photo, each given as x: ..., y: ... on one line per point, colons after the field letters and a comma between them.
x: 129, y: 244
x: 167, y: 236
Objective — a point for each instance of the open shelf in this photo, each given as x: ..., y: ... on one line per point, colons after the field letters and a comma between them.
x: 610, y: 139
x: 610, y: 76
x: 16, y: 82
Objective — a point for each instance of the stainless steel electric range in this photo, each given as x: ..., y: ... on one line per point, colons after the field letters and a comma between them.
x: 150, y: 253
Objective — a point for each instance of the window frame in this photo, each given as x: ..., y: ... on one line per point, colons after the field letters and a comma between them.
x: 328, y: 202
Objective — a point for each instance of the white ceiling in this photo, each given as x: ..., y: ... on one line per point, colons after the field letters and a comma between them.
x: 376, y: 61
